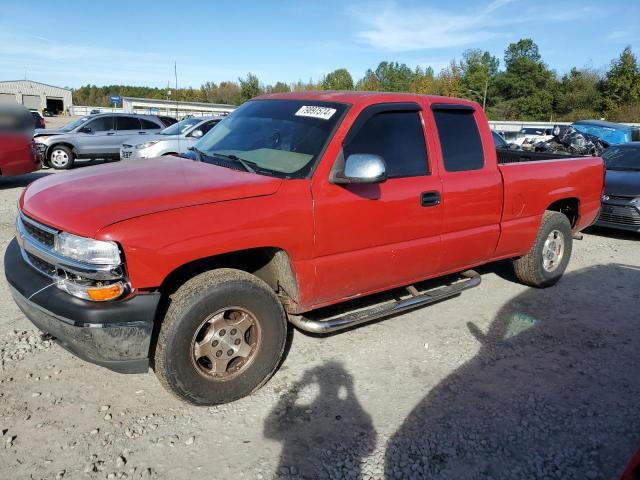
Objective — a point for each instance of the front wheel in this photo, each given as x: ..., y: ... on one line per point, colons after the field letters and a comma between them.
x: 549, y: 256
x: 61, y: 157
x: 222, y: 338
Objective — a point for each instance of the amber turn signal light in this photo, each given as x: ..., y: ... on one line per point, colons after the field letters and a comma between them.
x: 103, y: 294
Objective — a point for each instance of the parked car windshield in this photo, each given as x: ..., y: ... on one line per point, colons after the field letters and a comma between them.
x: 281, y: 137
x: 181, y: 127
x: 610, y: 135
x: 72, y: 125
x: 532, y: 131
x: 622, y: 158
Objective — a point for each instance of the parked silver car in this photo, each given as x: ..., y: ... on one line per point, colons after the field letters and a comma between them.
x: 92, y: 136
x: 173, y: 140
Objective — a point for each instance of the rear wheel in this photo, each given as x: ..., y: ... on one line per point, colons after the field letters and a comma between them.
x: 61, y: 157
x: 549, y: 256
x: 221, y: 339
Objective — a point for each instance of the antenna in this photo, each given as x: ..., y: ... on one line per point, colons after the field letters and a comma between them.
x: 175, y: 73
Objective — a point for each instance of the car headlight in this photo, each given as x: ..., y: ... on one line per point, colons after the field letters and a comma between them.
x: 42, y: 138
x: 87, y: 250
x: 140, y: 146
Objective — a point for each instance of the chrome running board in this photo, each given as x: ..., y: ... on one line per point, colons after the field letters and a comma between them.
x: 471, y: 279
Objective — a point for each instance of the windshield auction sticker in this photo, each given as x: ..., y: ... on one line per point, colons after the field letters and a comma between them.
x: 324, y: 113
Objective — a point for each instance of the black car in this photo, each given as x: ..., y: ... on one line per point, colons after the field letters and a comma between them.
x: 621, y: 200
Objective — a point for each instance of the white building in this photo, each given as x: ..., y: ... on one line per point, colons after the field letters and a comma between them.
x: 35, y: 95
x: 172, y: 108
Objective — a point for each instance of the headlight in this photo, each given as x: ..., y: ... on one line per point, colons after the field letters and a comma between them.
x: 42, y: 138
x: 140, y: 146
x: 87, y: 250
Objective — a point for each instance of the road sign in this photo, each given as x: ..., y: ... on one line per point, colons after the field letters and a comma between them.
x: 115, y: 99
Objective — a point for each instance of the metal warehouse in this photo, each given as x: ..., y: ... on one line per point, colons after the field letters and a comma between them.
x: 171, y: 107
x: 35, y: 95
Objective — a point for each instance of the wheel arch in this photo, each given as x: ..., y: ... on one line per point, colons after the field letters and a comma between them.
x: 569, y: 206
x: 271, y: 264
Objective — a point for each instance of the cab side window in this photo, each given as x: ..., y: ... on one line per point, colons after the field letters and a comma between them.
x: 398, y: 138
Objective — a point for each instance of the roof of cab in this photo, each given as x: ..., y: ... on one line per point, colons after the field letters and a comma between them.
x: 364, y: 98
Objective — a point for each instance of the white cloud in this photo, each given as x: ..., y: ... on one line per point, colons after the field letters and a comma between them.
x: 396, y: 28
x: 42, y: 59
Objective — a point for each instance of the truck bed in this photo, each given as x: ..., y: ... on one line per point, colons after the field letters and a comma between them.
x: 530, y: 187
x: 506, y: 155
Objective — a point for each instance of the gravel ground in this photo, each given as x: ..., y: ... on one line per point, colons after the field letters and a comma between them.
x: 502, y: 382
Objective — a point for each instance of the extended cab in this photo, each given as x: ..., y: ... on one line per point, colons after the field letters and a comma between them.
x: 294, y: 202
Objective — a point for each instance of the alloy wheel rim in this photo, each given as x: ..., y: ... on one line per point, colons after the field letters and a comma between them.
x: 553, y: 251
x: 59, y: 158
x: 225, y: 344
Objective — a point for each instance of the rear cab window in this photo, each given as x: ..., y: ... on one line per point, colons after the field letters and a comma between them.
x: 459, y: 138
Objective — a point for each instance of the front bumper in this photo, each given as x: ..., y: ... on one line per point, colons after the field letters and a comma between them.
x: 115, y: 335
x: 41, y: 151
x: 621, y: 213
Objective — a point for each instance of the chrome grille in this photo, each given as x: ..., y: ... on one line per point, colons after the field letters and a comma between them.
x: 39, y: 264
x: 621, y: 214
x: 39, y: 234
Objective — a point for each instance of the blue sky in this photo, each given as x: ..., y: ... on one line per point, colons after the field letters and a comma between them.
x: 72, y: 43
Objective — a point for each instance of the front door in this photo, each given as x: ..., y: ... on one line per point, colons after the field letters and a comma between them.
x: 96, y: 141
x: 371, y: 237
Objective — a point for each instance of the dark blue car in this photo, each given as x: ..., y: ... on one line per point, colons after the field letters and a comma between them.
x: 621, y: 201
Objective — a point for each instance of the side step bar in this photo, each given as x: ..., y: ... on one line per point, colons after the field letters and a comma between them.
x: 471, y: 279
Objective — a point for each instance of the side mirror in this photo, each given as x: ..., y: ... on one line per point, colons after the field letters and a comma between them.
x: 361, y: 168
x: 197, y: 133
x: 85, y: 130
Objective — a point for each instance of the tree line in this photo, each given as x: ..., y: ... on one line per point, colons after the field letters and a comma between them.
x: 525, y: 88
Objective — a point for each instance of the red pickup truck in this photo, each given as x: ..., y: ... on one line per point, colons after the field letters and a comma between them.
x: 292, y: 203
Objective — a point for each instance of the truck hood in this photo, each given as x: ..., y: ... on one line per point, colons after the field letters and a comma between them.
x: 91, y: 198
x: 625, y: 183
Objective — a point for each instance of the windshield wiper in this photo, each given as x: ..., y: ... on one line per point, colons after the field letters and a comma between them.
x: 245, y: 163
x: 199, y: 153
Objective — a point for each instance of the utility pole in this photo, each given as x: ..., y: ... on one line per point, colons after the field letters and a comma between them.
x: 484, y: 98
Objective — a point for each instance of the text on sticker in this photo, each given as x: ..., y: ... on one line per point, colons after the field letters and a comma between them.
x: 324, y: 113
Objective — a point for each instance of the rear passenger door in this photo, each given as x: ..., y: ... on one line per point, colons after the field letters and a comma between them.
x: 375, y: 236
x: 148, y: 126
x: 126, y: 127
x: 472, y: 186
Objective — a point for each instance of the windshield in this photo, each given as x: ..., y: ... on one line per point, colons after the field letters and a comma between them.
x: 533, y: 131
x: 76, y: 123
x: 181, y: 127
x: 610, y: 135
x: 283, y: 137
x: 622, y: 158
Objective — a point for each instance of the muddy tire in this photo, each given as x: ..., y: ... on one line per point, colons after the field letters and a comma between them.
x: 221, y: 339
x: 61, y: 157
x: 549, y: 256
